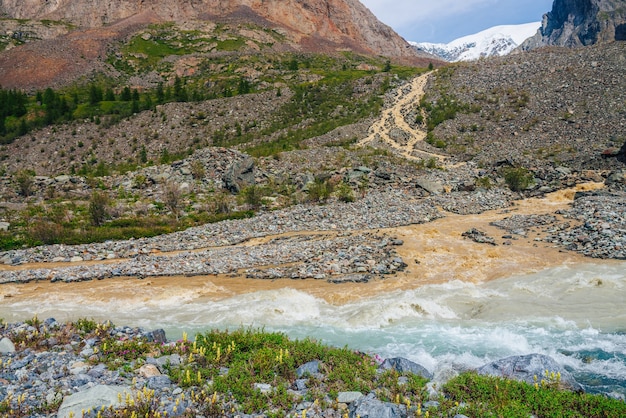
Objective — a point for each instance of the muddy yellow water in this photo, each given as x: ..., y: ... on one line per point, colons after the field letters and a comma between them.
x: 435, y: 253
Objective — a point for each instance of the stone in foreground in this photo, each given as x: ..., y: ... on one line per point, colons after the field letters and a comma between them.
x: 525, y: 368
x: 93, y: 398
x: 402, y: 365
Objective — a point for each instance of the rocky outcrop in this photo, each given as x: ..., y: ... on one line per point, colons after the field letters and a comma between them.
x: 334, y: 23
x: 532, y: 368
x: 573, y: 23
x: 402, y: 365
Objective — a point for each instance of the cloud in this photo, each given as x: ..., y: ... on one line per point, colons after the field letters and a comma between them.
x: 445, y: 20
x: 398, y: 13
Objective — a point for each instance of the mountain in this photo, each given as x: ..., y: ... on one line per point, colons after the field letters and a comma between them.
x: 346, y: 23
x: 573, y: 23
x: 84, y: 31
x: 495, y: 41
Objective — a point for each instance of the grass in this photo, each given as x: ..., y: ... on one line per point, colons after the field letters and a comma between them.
x: 220, y: 370
x: 48, y: 231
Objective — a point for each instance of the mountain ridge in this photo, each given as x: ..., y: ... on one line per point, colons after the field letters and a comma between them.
x: 346, y: 23
x: 575, y: 23
x: 495, y: 41
x: 87, y: 32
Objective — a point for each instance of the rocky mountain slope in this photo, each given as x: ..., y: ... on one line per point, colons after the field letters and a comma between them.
x: 574, y: 23
x: 346, y: 23
x: 548, y: 108
x: 55, y: 43
x: 496, y: 41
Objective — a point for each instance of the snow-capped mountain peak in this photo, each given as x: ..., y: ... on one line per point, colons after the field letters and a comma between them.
x: 495, y: 41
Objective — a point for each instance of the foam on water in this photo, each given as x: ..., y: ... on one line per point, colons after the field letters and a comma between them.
x: 576, y: 314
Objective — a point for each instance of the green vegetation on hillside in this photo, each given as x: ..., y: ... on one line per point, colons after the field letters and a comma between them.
x: 322, y: 92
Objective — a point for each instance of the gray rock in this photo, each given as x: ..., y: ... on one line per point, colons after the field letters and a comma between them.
x: 525, y: 368
x: 432, y: 187
x: 157, y: 336
x: 348, y: 397
x: 239, y: 175
x: 478, y: 236
x: 62, y: 178
x: 263, y: 387
x: 300, y: 384
x: 93, y: 398
x: 4, y: 226
x: 402, y: 365
x: 616, y: 178
x: 6, y: 346
x: 310, y: 368
x: 370, y: 407
x: 159, y: 382
x: 164, y: 361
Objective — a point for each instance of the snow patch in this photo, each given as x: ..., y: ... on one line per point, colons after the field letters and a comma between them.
x: 495, y: 41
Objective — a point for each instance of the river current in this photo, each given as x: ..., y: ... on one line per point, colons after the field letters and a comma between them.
x: 574, y: 313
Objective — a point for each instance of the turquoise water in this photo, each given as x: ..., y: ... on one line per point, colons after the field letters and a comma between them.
x: 576, y: 314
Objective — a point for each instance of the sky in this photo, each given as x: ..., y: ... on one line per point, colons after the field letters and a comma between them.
x: 442, y: 21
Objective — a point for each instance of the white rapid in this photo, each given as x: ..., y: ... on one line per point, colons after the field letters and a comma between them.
x: 574, y: 313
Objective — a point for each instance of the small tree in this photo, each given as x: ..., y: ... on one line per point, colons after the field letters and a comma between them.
x: 25, y: 180
x: 98, y: 208
x: 387, y: 66
x: 320, y: 190
x: 95, y: 94
x: 197, y: 170
x: 173, y: 197
x: 221, y: 203
x: 253, y: 196
x: 518, y: 179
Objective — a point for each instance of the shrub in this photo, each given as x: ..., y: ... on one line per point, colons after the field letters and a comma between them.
x: 345, y: 193
x: 518, y: 179
x: 197, y: 170
x: 172, y: 197
x: 46, y: 232
x: 98, y: 208
x: 25, y: 180
x: 252, y: 196
x: 320, y: 190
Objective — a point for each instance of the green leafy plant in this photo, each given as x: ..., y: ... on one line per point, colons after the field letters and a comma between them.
x: 518, y: 178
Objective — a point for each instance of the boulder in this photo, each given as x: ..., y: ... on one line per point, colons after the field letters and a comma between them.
x: 370, y: 407
x: 479, y: 237
x: 616, y: 179
x: 240, y: 174
x: 348, y: 397
x: 6, y: 346
x: 310, y: 368
x: 149, y: 370
x: 93, y: 398
x: 432, y: 187
x: 157, y: 336
x: 402, y: 365
x: 525, y: 368
x: 159, y: 382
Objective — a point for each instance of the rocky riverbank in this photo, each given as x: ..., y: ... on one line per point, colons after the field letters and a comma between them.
x: 336, y: 242
x: 51, y: 369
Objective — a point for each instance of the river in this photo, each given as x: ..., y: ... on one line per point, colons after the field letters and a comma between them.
x: 572, y: 312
